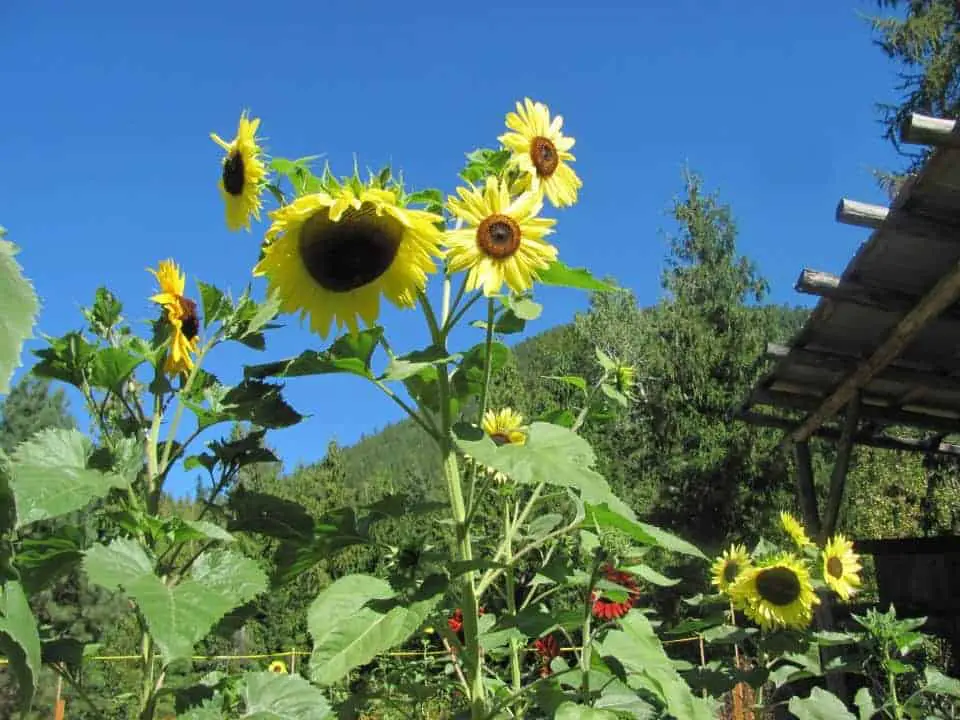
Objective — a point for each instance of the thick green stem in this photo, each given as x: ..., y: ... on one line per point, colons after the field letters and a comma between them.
x: 511, y: 598
x: 587, y: 640
x: 147, y: 688
x: 892, y: 688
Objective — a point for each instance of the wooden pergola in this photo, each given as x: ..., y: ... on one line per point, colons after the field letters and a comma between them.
x: 878, y: 361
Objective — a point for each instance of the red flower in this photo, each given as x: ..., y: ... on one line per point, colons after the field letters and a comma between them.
x: 604, y: 609
x: 548, y: 649
x: 455, y: 622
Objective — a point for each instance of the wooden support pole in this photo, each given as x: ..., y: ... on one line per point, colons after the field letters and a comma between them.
x: 944, y: 293
x: 861, y: 214
x: 883, y: 442
x: 806, y: 489
x: 827, y: 285
x: 838, y: 478
x: 920, y: 129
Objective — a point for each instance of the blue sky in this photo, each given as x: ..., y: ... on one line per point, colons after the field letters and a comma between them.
x: 107, y: 166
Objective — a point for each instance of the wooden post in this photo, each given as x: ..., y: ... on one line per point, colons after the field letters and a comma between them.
x: 806, y: 490
x: 60, y: 708
x: 838, y: 478
x: 293, y: 661
x: 861, y: 214
x: 924, y: 130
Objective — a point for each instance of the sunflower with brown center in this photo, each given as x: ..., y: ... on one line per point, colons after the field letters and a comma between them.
x: 542, y: 152
x: 181, y: 314
x: 504, y: 426
x: 727, y: 568
x: 503, y: 242
x: 841, y: 567
x: 241, y: 179
x: 332, y: 255
x: 776, y: 594
x: 277, y: 666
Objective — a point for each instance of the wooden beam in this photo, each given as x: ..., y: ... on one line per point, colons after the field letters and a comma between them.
x: 861, y: 214
x: 944, y: 293
x: 873, y: 409
x: 925, y: 130
x: 838, y: 478
x: 881, y: 442
x: 806, y: 490
x: 833, y: 362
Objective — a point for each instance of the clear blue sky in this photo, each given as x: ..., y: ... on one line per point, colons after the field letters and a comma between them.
x: 107, y: 166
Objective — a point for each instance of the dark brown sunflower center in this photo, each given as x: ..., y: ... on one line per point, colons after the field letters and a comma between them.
x: 233, y: 173
x: 835, y: 567
x: 189, y: 324
x: 544, y: 156
x: 500, y: 438
x: 498, y: 236
x: 778, y: 586
x: 343, y: 256
x: 731, y: 570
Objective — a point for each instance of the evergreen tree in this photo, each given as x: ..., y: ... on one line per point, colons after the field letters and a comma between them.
x: 30, y: 407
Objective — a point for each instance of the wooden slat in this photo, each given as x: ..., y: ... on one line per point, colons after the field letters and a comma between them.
x: 861, y: 214
x: 925, y: 130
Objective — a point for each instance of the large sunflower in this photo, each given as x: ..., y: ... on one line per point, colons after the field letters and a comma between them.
x: 243, y: 173
x: 503, y: 426
x: 542, y: 152
x: 330, y: 256
x: 841, y: 567
x: 504, y: 240
x: 795, y: 530
x: 727, y: 568
x: 776, y: 594
x: 181, y: 315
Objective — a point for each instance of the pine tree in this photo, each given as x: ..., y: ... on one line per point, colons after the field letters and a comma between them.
x: 30, y: 407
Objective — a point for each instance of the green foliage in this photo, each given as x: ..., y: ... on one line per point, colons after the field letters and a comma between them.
x: 20, y: 306
x: 19, y: 641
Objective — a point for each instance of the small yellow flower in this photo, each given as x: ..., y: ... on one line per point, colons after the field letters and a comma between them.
x: 181, y: 315
x: 242, y: 176
x: 503, y: 242
x: 277, y: 666
x: 504, y: 426
x: 727, y: 568
x: 841, y: 567
x: 795, y: 530
x: 542, y: 152
x: 778, y: 593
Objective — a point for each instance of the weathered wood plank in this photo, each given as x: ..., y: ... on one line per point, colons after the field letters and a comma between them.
x: 861, y: 214
x: 841, y: 464
x: 806, y: 490
x: 920, y: 129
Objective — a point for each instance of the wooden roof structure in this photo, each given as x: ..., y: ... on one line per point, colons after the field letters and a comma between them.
x: 881, y: 349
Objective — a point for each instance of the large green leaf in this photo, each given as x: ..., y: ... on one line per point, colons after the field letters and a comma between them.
x: 253, y: 401
x: 349, y: 354
x: 639, y: 651
x: 66, y: 358
x: 278, y: 696
x: 178, y: 617
x: 20, y: 306
x: 50, y: 477
x: 350, y: 625
x: 467, y: 381
x: 112, y: 365
x: 604, y: 517
x: 19, y: 640
x: 579, y: 278
x: 940, y: 684
x: 820, y: 705
x: 571, y: 711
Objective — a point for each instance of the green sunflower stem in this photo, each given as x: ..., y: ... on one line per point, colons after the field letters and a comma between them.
x: 511, y: 596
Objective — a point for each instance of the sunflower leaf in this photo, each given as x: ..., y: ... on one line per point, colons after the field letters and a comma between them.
x: 608, y: 518
x: 525, y: 308
x: 401, y: 368
x: 269, y: 515
x: 216, y: 304
x: 178, y: 616
x: 279, y: 696
x: 468, y: 379
x: 112, y: 366
x: 561, y: 275
x: 50, y: 476
x: 20, y: 307
x: 19, y: 640
x: 575, y: 380
x: 252, y: 400
x: 572, y: 711
x: 349, y: 354
x: 820, y: 705
x: 66, y: 358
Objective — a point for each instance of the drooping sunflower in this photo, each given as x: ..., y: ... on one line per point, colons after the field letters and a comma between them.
x: 331, y: 256
x: 727, y: 568
x: 503, y: 426
x: 181, y: 315
x: 841, y: 567
x: 243, y: 172
x: 277, y: 666
x: 795, y: 530
x: 777, y: 593
x: 542, y: 152
x: 504, y: 240
x: 605, y: 608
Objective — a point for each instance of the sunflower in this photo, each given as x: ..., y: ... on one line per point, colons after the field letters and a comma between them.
x: 776, y: 594
x: 504, y: 242
x: 547, y: 648
x: 841, y: 567
x: 181, y: 315
x: 277, y: 666
x: 503, y: 427
x: 330, y: 256
x: 541, y: 151
x: 795, y: 530
x: 243, y: 173
x: 607, y: 609
x: 727, y: 567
